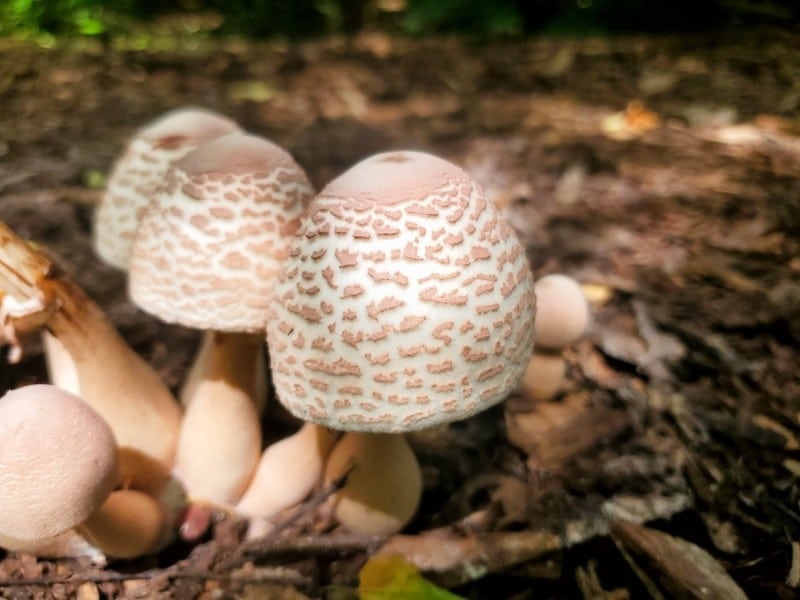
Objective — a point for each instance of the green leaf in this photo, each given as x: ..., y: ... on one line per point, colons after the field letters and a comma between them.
x: 391, y: 577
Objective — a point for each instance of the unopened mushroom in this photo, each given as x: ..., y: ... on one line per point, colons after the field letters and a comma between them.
x: 58, y: 462
x: 206, y: 255
x: 133, y: 184
x: 562, y: 315
x: 406, y: 302
x: 59, y: 467
x: 113, y: 379
x: 562, y: 312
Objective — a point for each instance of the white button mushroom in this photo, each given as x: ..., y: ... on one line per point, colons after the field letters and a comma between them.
x: 59, y: 462
x: 206, y: 255
x: 59, y: 467
x: 562, y: 312
x: 406, y: 302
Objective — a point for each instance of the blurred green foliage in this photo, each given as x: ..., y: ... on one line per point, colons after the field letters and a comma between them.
x: 300, y: 18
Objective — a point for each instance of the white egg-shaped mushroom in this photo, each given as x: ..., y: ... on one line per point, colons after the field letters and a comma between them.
x: 406, y: 302
x: 562, y: 312
x: 207, y: 255
x: 58, y: 462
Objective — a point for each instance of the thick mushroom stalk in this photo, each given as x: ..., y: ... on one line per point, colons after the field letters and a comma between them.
x: 383, y: 486
x: 287, y: 473
x: 113, y: 379
x: 222, y: 412
x: 206, y: 255
x: 128, y: 524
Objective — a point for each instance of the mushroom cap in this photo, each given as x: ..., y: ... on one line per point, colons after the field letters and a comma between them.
x: 562, y: 312
x: 209, y: 248
x: 140, y: 171
x: 58, y: 462
x: 406, y: 301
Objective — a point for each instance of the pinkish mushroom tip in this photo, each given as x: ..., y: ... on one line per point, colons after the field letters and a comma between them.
x: 384, y: 178
x: 236, y: 153
x: 186, y: 125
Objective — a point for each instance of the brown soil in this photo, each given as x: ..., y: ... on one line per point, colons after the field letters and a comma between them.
x: 663, y: 172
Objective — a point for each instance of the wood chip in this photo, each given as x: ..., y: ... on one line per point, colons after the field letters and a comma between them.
x: 682, y: 568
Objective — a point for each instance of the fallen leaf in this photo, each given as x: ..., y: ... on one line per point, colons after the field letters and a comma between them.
x: 392, y: 577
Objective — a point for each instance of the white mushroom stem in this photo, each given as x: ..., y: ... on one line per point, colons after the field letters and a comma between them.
x: 113, y: 379
x: 220, y: 440
x: 384, y: 482
x: 60, y: 365
x: 200, y: 365
x: 287, y: 472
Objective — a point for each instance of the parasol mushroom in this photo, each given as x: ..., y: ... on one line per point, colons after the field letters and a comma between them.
x: 407, y: 302
x: 206, y: 255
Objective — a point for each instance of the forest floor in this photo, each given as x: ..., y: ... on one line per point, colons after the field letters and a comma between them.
x: 663, y: 173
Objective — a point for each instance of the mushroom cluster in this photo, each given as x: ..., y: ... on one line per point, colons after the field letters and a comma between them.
x: 396, y: 299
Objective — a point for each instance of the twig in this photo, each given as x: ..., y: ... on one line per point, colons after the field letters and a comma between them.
x: 264, y: 575
x: 267, y: 543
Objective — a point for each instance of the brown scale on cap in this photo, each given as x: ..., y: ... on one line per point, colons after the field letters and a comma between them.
x: 140, y: 172
x: 207, y: 252
x: 416, y: 286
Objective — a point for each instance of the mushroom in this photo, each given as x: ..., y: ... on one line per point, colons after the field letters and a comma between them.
x: 132, y: 184
x: 206, y: 255
x: 140, y: 172
x: 59, y: 462
x: 113, y: 379
x: 57, y: 478
x: 562, y: 312
x: 406, y: 302
x: 562, y: 315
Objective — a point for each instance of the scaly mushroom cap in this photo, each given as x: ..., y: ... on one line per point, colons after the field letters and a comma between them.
x: 407, y: 301
x: 58, y: 462
x: 208, y: 251
x: 140, y: 172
